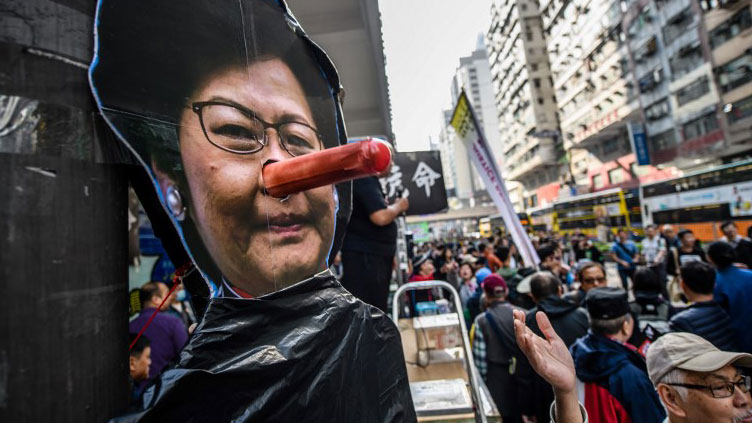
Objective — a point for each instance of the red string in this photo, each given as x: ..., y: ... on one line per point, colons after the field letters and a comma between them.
x: 179, y: 273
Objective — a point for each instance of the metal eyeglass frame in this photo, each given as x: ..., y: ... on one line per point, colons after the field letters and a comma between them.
x: 198, y: 107
x: 744, y: 386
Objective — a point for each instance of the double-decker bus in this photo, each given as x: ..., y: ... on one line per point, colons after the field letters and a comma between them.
x: 543, y: 218
x: 701, y: 201
x: 488, y: 225
x: 598, y: 213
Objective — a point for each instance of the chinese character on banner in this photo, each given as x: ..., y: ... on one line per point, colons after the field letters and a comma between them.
x: 392, y: 184
x: 418, y: 176
x: 425, y: 177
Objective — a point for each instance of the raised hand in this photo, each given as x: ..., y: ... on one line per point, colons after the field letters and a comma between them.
x: 549, y: 357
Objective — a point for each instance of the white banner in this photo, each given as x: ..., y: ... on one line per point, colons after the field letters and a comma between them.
x: 466, y: 126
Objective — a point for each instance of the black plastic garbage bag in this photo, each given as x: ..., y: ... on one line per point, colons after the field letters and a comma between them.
x: 308, y: 353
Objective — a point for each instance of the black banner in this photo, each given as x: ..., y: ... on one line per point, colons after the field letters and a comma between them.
x: 419, y: 175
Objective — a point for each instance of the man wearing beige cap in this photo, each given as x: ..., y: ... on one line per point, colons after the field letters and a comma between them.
x: 697, y: 382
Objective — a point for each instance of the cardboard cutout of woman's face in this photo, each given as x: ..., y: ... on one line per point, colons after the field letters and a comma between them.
x: 252, y: 237
x: 213, y: 180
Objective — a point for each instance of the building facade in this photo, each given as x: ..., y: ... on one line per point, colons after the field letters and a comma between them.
x: 678, y: 71
x: 729, y: 26
x: 524, y: 97
x: 465, y: 188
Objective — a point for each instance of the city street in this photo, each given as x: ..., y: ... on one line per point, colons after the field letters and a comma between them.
x: 376, y: 211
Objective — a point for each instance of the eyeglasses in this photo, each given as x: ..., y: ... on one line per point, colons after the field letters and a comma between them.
x: 593, y: 280
x: 721, y: 389
x: 238, y: 130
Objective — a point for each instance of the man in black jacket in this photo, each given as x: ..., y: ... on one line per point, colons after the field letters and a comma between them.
x: 495, y: 349
x: 742, y: 245
x: 569, y: 320
x: 704, y: 317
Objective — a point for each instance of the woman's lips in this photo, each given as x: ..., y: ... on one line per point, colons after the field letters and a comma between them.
x: 285, y: 225
x: 286, y: 229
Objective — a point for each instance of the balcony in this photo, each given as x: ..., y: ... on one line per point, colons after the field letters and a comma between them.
x: 540, y: 156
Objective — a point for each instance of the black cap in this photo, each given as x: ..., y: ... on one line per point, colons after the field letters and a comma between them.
x: 420, y: 260
x: 606, y: 303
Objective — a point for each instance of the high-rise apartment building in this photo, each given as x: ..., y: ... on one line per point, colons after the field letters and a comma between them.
x: 460, y: 177
x: 595, y: 92
x: 681, y: 103
x: 524, y: 99
x: 474, y: 76
x: 729, y: 29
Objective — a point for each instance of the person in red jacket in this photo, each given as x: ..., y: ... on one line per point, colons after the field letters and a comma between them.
x: 612, y: 377
x: 422, y: 269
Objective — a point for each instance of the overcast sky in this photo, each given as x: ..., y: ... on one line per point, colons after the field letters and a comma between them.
x: 423, y: 41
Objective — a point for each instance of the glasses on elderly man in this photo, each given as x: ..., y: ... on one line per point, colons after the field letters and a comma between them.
x: 237, y: 130
x: 721, y: 389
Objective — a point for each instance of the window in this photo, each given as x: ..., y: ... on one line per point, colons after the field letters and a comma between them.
x: 648, y: 49
x: 693, y: 91
x: 533, y: 67
x: 657, y: 110
x: 610, y: 146
x: 640, y: 21
x: 529, y: 36
x: 738, y: 110
x: 523, y: 6
x: 540, y: 100
x: 731, y: 28
x: 662, y: 141
x: 736, y: 72
x: 651, y: 80
x: 677, y: 25
x: 639, y: 170
x: 686, y: 60
x: 598, y: 181
x: 536, y: 82
x: 715, y: 4
x: 700, y: 126
x: 616, y: 176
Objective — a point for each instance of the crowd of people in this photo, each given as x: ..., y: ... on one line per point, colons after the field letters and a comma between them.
x: 157, y: 337
x: 673, y: 296
x: 676, y: 303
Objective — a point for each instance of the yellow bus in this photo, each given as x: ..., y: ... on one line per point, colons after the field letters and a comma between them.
x: 543, y: 218
x: 488, y: 226
x: 598, y: 213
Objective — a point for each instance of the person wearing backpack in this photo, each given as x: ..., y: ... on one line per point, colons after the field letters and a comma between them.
x: 495, y: 349
x: 649, y: 306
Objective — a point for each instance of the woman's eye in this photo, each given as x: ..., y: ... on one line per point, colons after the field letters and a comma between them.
x: 235, y: 131
x: 298, y: 142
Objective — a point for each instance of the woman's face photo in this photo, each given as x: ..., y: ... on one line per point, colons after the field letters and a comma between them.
x: 259, y: 243
x: 204, y: 101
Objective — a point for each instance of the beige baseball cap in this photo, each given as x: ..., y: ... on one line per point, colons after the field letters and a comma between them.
x: 687, y: 351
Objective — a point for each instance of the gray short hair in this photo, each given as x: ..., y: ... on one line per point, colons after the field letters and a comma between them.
x: 676, y: 376
x: 609, y: 326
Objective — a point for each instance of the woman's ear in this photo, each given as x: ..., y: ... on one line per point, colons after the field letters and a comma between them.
x: 163, y: 179
x: 170, y: 192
